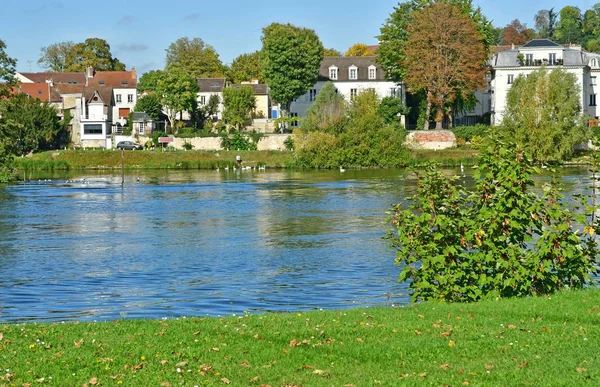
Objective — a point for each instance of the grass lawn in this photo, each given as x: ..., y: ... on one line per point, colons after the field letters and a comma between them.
x: 547, y: 341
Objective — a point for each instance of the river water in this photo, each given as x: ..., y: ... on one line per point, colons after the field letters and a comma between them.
x: 195, y: 243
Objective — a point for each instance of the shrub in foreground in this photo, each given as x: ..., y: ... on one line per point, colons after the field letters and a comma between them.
x: 500, y: 240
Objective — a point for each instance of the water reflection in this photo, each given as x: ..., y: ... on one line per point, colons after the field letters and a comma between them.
x: 177, y: 243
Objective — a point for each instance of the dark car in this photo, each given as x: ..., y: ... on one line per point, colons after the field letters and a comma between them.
x: 129, y: 145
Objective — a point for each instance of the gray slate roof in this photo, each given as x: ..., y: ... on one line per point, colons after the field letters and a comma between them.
x: 140, y: 117
x: 258, y: 89
x: 343, y: 63
x: 541, y: 43
x: 211, y: 85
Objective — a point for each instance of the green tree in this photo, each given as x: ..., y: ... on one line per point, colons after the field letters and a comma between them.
x: 543, y: 114
x: 569, y: 25
x: 499, y: 240
x: 149, y: 104
x: 331, y: 52
x: 55, y: 56
x: 290, y: 58
x: 444, y: 57
x: 359, y: 49
x: 7, y: 71
x: 238, y: 103
x: 149, y: 80
x: 245, y: 68
x: 327, y: 113
x: 177, y: 93
x: 93, y: 52
x: 545, y: 23
x: 195, y: 58
x: 391, y: 108
x: 210, y: 109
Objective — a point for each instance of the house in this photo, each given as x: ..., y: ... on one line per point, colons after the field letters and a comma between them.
x: 261, y: 96
x: 509, y: 64
x: 350, y: 75
x: 208, y: 87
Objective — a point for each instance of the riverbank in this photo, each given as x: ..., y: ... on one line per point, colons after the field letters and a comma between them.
x: 111, y: 159
x: 533, y: 341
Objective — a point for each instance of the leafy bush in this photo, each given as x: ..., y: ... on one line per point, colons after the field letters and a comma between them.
x: 156, y: 135
x: 188, y: 145
x: 501, y: 240
x: 237, y: 141
x: 468, y: 132
x: 289, y: 143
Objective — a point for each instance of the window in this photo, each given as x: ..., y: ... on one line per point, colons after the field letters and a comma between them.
x: 529, y: 59
x: 552, y: 59
x: 118, y: 97
x: 333, y: 73
x: 395, y: 92
x: 592, y: 99
x: 353, y: 93
x: 101, y: 83
x: 124, y: 112
x: 592, y: 81
x: 92, y: 129
x: 511, y: 79
x: 353, y: 73
x: 312, y: 95
x: 593, y: 62
x: 294, y: 123
x: 124, y: 83
x: 203, y: 100
x: 129, y: 97
x: 372, y: 72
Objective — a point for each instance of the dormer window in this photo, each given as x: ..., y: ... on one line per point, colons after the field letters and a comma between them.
x: 593, y: 63
x: 333, y: 73
x: 372, y: 72
x: 353, y: 72
x: 101, y: 83
x: 124, y: 83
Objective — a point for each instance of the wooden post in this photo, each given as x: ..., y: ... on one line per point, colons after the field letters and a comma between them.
x: 122, y: 167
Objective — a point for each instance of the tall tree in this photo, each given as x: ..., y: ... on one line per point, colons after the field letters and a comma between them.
x: 545, y: 23
x: 7, y: 71
x: 445, y: 56
x: 359, y: 49
x: 93, y: 52
x: 290, y: 58
x: 177, y: 93
x: 55, y: 56
x: 517, y: 33
x: 569, y: 26
x: 149, y: 80
x: 328, y: 113
x: 543, y: 114
x: 238, y: 103
x: 194, y: 58
x: 149, y: 104
x: 591, y: 29
x: 245, y: 68
x: 331, y: 52
x: 393, y: 35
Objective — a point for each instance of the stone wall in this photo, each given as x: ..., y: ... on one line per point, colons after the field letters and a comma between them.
x: 268, y: 142
x: 431, y: 139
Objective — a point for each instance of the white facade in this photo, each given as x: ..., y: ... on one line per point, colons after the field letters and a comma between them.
x: 124, y: 102
x: 522, y: 61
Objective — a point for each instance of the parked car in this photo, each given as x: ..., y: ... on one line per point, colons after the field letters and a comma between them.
x: 129, y: 145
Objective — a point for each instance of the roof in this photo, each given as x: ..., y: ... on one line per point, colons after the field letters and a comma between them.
x: 570, y: 57
x: 34, y: 90
x: 121, y: 79
x: 343, y: 63
x: 257, y: 88
x: 72, y: 78
x: 140, y: 116
x: 105, y: 93
x: 540, y: 43
x: 210, y: 85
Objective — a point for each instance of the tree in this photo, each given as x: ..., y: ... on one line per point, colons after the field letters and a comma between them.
x: 391, y: 108
x: 393, y: 35
x: 331, y: 52
x: 517, y: 33
x: 359, y: 49
x: 93, y: 52
x: 543, y: 114
x: 498, y: 34
x: 177, y: 93
x: 569, y: 26
x: 7, y: 71
x: 195, y: 58
x: 149, y: 104
x: 545, y: 23
x: 245, y: 68
x: 328, y: 112
x: 290, y: 59
x: 149, y: 80
x: 205, y: 113
x: 445, y: 57
x: 591, y: 29
x: 238, y: 102
x: 55, y: 56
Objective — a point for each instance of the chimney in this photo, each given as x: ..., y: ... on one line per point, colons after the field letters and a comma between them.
x: 90, y: 72
x: 512, y: 47
x: 133, y: 74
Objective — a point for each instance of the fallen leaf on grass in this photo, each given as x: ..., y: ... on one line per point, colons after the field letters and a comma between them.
x: 225, y: 380
x: 140, y: 366
x: 78, y: 343
x: 445, y: 366
x: 93, y: 381
x: 254, y: 379
x: 465, y: 383
x: 523, y: 365
x: 420, y: 316
x: 581, y: 370
x: 26, y: 385
x: 163, y: 362
x: 245, y: 364
x: 446, y: 334
x: 181, y: 364
x: 423, y: 375
x: 216, y: 349
x: 488, y: 367
x: 359, y: 339
x: 165, y: 384
x: 511, y: 326
x: 417, y: 332
x: 1, y: 336
x: 295, y: 343
x: 451, y: 344
x: 318, y: 372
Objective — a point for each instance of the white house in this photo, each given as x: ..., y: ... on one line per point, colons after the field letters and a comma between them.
x: 208, y: 87
x: 509, y: 64
x: 350, y: 75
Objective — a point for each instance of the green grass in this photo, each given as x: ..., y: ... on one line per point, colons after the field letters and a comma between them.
x: 549, y: 341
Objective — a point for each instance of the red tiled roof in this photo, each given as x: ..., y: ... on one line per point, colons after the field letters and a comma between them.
x: 125, y: 79
x: 73, y: 78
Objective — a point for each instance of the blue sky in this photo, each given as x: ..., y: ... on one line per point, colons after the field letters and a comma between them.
x: 139, y: 31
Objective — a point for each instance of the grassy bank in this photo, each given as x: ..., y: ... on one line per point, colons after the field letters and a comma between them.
x: 108, y: 159
x: 542, y: 341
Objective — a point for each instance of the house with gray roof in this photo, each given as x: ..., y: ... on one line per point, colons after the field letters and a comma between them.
x: 522, y: 61
x: 208, y: 87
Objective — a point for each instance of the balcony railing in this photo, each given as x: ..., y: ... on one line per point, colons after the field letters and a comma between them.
x: 94, y: 117
x: 541, y: 62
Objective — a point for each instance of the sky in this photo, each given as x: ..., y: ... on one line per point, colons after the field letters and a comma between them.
x: 139, y: 31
